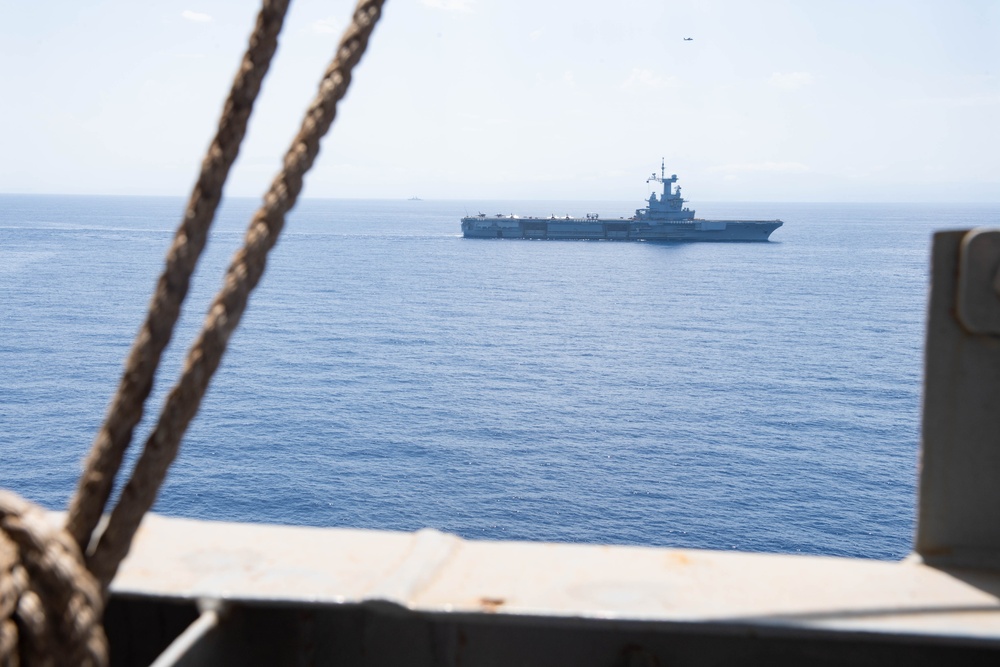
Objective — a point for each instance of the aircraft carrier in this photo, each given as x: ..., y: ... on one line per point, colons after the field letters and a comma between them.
x: 664, y: 218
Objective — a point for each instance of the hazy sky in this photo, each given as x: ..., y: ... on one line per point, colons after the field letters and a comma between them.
x: 874, y: 100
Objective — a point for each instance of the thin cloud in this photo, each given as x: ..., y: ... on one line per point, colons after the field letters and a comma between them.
x: 772, y: 167
x: 197, y: 17
x: 641, y: 78
x: 450, y: 5
x: 790, y: 80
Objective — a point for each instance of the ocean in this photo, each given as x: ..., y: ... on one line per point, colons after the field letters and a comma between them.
x: 390, y: 374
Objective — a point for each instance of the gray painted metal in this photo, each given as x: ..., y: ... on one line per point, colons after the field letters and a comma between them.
x: 662, y: 219
x: 359, y: 597
x: 959, y: 512
x: 385, y: 636
x: 979, y: 281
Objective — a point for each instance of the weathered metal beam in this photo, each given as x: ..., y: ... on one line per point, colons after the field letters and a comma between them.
x: 433, y: 573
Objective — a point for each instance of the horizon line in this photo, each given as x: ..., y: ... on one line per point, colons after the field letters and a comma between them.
x: 512, y: 199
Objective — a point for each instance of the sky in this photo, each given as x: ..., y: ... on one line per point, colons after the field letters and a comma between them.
x: 776, y: 100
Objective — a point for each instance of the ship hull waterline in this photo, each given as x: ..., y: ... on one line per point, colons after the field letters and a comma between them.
x: 577, y: 229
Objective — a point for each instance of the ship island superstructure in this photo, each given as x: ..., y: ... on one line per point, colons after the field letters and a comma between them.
x: 664, y: 218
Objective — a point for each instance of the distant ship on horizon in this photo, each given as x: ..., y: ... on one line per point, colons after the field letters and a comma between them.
x: 664, y: 218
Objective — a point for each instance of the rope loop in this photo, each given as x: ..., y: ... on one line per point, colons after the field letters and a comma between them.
x: 50, y: 604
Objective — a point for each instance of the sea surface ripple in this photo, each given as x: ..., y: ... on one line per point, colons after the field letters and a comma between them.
x: 391, y: 374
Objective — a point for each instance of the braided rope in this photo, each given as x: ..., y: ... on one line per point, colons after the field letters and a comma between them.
x: 126, y: 408
x: 224, y: 315
x: 50, y: 605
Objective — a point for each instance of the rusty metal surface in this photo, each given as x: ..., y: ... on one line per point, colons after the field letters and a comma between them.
x: 434, y: 572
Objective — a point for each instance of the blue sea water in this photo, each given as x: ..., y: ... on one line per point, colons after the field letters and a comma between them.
x: 391, y: 374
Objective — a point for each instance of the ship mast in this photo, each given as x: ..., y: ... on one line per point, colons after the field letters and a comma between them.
x: 668, y: 192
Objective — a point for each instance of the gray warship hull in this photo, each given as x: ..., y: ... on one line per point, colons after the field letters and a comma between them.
x: 664, y: 218
x: 507, y: 227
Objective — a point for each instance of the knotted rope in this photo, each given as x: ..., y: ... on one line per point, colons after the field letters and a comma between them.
x: 50, y: 604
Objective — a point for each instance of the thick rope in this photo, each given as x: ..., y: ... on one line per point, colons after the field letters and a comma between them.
x: 126, y: 408
x: 224, y: 315
x: 50, y: 605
